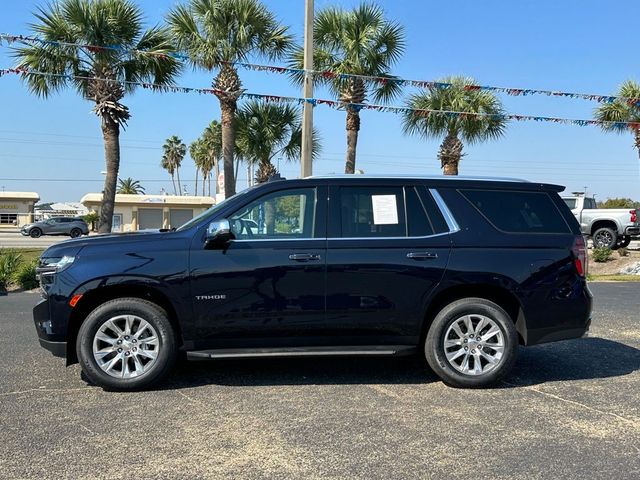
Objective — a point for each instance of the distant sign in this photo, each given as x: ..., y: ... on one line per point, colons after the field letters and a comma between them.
x: 8, y: 206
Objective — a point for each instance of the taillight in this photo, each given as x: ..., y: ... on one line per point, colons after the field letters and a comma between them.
x: 634, y: 215
x: 579, y: 250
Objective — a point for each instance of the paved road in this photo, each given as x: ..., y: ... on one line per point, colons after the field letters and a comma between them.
x: 16, y: 240
x: 570, y: 410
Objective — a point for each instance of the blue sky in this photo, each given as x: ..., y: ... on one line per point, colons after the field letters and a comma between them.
x: 570, y: 45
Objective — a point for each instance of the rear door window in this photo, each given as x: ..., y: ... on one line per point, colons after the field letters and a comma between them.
x: 372, y: 212
x: 518, y: 211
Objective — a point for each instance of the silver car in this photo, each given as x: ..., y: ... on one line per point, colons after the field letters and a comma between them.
x: 72, y: 226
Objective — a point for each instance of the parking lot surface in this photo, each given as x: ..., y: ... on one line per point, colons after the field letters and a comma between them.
x: 569, y: 410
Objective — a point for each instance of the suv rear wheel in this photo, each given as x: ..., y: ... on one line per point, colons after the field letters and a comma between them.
x: 126, y: 344
x: 75, y: 232
x: 471, y: 343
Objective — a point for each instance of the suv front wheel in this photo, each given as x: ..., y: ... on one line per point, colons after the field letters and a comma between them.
x: 472, y: 343
x: 126, y: 344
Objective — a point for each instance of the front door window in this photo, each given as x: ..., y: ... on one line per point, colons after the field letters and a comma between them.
x: 287, y: 214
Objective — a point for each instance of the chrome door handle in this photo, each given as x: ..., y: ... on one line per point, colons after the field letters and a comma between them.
x: 422, y: 255
x: 304, y: 257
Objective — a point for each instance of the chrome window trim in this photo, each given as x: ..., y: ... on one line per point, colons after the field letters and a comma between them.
x: 442, y: 206
x: 444, y: 209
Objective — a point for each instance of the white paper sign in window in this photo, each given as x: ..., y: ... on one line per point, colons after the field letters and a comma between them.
x: 385, y: 209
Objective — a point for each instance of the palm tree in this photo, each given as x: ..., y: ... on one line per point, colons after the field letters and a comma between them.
x: 622, y: 111
x: 168, y: 165
x: 174, y: 152
x: 361, y: 42
x: 267, y: 130
x: 212, y: 143
x: 130, y: 186
x: 97, y: 74
x: 216, y: 33
x: 198, y: 153
x: 489, y: 124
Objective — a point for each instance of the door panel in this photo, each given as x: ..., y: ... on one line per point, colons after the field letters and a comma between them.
x: 266, y: 287
x: 378, y: 285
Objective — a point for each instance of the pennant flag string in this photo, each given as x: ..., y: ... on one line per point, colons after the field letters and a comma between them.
x: 329, y: 75
x: 338, y: 105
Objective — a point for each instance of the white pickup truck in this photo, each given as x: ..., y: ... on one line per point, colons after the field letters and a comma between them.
x: 607, y: 227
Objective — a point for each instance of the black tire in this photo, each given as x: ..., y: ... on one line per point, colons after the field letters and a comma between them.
x: 605, y: 237
x: 148, y: 311
x: 35, y: 232
x: 75, y: 232
x: 624, y: 241
x: 435, y: 350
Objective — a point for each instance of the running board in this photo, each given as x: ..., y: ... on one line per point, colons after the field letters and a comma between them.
x: 366, y: 350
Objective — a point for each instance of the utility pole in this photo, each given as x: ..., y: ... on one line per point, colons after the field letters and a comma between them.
x: 307, y: 109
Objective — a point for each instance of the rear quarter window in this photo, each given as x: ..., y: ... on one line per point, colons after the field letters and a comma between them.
x: 518, y: 211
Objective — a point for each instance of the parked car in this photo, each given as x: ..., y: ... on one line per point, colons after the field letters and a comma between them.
x: 461, y: 271
x: 608, y: 227
x: 74, y: 227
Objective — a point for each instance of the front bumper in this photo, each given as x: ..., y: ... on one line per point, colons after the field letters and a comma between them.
x: 53, y: 342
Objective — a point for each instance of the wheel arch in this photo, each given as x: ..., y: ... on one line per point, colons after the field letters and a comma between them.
x: 494, y: 293
x: 604, y: 223
x: 92, y: 298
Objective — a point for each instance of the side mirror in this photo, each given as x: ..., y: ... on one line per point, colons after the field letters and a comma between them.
x: 218, y: 233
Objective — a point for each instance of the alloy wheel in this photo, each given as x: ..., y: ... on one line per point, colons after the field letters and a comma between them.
x: 474, y: 344
x: 126, y: 346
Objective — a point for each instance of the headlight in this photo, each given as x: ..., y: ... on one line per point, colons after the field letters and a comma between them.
x: 54, y: 265
x: 64, y: 262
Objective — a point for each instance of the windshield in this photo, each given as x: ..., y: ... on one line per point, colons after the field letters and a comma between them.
x: 212, y: 211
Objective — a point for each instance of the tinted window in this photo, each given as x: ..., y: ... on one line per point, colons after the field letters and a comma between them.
x: 590, y: 203
x: 520, y: 212
x: 283, y: 214
x: 435, y: 215
x: 419, y: 224
x: 372, y: 212
x: 571, y: 202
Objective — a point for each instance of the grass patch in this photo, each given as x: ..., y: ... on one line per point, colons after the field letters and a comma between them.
x: 27, y: 254
x: 614, y: 278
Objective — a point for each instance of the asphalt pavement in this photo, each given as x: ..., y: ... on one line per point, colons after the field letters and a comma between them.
x: 569, y: 410
x: 11, y: 239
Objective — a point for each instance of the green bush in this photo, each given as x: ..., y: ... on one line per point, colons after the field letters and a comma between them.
x: 25, y: 276
x: 9, y: 262
x: 623, y: 252
x: 601, y: 255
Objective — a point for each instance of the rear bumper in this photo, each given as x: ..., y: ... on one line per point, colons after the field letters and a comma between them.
x: 632, y: 231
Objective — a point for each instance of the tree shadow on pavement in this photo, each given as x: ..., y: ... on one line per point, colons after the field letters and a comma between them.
x: 588, y: 358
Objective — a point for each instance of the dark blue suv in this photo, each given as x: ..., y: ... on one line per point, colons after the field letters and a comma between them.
x: 460, y: 270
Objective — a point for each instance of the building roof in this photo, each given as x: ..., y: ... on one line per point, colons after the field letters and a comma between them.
x: 149, y: 200
x: 19, y: 196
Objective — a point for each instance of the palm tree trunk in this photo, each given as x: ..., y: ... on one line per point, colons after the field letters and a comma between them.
x: 111, y: 135
x: 217, y: 170
x: 196, y: 185
x: 636, y: 136
x: 450, y: 154
x: 228, y: 108
x: 179, y: 185
x: 353, y: 126
x: 173, y: 181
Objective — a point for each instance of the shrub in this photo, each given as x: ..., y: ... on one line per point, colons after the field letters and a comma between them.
x: 25, y: 276
x: 9, y: 262
x: 601, y: 254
